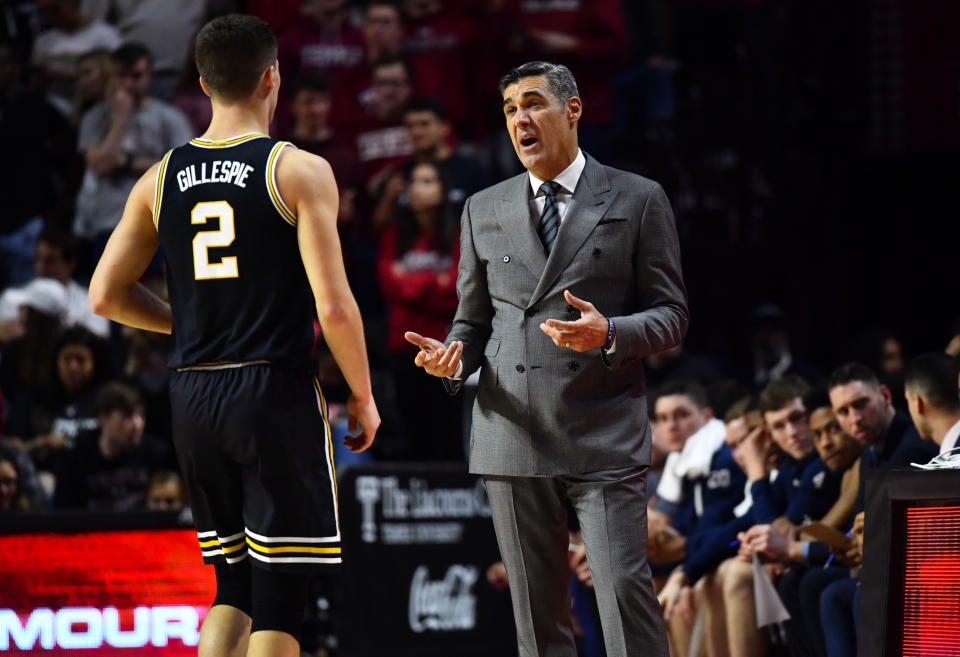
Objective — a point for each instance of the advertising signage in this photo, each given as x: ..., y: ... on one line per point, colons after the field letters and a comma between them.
x: 103, y: 593
x: 418, y: 541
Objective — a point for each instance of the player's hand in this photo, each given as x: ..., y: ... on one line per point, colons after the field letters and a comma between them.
x: 362, y: 415
x: 435, y: 357
x: 670, y: 593
x: 588, y: 332
x: 685, y: 610
x: 786, y: 527
x: 766, y: 541
x: 850, y: 554
x: 752, y: 450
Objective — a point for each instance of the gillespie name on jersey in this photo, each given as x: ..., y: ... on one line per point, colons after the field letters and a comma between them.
x: 221, y: 171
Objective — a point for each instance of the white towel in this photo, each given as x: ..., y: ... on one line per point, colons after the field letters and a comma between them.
x: 769, y: 606
x: 692, y: 462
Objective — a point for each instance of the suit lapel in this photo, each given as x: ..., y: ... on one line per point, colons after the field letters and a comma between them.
x: 513, y: 213
x: 590, y: 201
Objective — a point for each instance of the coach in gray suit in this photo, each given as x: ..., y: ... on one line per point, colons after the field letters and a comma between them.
x: 569, y: 276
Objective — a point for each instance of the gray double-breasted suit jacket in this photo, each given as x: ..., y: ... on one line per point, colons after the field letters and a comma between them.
x: 543, y: 410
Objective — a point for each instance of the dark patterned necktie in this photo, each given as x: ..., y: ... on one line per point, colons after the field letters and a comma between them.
x: 550, y: 219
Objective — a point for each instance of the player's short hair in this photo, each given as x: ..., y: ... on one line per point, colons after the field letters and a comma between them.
x: 781, y: 392
x: 851, y: 372
x: 740, y: 408
x: 817, y: 397
x: 689, y: 388
x: 559, y: 78
x: 130, y: 53
x: 935, y: 377
x: 117, y: 396
x: 232, y: 52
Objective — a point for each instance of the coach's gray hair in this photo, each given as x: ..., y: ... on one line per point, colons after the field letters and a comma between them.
x: 558, y: 76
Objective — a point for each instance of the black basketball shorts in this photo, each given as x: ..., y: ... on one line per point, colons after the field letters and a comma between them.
x: 256, y: 453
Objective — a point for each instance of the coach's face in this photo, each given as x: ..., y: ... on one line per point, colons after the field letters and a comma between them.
x: 542, y: 128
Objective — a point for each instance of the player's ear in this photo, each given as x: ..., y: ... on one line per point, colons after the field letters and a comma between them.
x: 270, y: 78
x: 203, y: 85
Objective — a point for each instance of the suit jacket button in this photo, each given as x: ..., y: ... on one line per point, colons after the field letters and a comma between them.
x: 520, y: 368
x: 530, y: 312
x: 573, y: 365
x: 506, y: 258
x: 596, y: 253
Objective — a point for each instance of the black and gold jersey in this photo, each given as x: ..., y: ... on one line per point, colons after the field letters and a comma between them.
x: 237, y: 286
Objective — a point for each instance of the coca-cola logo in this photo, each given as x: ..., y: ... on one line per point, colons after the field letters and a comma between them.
x: 444, y: 605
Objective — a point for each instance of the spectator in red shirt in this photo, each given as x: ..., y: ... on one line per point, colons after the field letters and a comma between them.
x: 418, y: 276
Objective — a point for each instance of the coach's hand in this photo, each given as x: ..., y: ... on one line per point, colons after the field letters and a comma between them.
x: 588, y: 332
x: 362, y: 414
x: 434, y: 356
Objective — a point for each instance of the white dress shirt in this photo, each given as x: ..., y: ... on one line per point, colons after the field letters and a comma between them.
x: 950, y: 439
x: 567, y: 179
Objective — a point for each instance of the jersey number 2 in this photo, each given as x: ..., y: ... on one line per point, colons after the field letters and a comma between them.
x: 203, y: 269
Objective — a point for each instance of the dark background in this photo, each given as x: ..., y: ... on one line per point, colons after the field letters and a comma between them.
x: 851, y: 113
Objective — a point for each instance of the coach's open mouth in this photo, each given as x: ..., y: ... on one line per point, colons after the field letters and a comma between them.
x: 527, y: 142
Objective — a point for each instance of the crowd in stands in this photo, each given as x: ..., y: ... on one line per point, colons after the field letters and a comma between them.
x: 400, y: 97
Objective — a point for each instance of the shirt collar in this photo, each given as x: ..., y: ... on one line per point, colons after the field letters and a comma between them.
x: 567, y: 179
x: 950, y: 439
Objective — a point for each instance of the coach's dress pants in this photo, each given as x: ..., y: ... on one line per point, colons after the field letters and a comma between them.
x: 530, y: 517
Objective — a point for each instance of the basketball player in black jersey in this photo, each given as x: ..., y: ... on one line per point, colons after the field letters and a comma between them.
x: 248, y: 229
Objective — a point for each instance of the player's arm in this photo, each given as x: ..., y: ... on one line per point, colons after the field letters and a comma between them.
x: 115, y: 290
x: 306, y: 184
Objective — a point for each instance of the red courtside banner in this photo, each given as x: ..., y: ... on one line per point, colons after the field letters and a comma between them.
x: 103, y: 593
